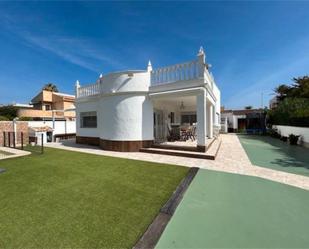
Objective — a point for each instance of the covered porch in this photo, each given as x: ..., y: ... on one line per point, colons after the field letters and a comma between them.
x: 183, y: 119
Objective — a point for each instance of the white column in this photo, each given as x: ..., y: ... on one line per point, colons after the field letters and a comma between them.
x: 210, y: 123
x: 201, y: 118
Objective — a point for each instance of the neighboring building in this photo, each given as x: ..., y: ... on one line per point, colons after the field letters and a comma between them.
x: 7, y: 128
x: 247, y: 120
x: 125, y: 111
x: 23, y: 106
x: 49, y: 105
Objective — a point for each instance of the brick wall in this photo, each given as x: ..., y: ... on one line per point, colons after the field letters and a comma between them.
x: 21, y: 126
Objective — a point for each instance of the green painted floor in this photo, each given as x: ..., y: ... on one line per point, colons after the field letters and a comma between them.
x: 275, y: 154
x: 232, y: 211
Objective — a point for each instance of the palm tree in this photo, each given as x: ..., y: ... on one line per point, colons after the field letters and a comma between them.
x: 50, y: 87
x: 282, y: 91
x: 301, y: 87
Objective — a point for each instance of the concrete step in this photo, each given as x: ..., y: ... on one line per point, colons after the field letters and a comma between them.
x: 210, y: 154
x: 213, y: 149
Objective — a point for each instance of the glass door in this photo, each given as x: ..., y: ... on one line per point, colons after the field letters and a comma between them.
x: 158, y: 126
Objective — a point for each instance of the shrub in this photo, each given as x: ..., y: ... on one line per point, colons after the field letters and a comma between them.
x: 25, y: 119
x: 8, y: 111
x: 290, y: 111
x: 273, y: 133
x: 293, y: 139
x: 3, y: 118
x: 284, y: 138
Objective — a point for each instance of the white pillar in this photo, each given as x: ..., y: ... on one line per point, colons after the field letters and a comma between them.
x: 201, y: 120
x: 210, y: 123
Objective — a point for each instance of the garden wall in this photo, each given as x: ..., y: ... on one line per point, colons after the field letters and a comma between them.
x: 60, y: 127
x: 284, y: 130
x: 21, y: 126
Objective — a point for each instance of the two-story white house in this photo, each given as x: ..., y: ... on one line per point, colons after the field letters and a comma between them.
x: 130, y: 110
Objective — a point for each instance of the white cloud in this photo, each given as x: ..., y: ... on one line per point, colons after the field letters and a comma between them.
x: 83, y: 52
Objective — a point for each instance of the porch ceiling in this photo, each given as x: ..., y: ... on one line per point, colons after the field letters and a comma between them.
x: 186, y: 100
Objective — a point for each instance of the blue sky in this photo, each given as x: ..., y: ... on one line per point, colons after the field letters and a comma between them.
x: 252, y: 46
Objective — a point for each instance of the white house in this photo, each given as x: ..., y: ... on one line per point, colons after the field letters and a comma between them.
x: 125, y: 111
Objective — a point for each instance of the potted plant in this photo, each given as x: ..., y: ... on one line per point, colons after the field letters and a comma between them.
x: 293, y: 139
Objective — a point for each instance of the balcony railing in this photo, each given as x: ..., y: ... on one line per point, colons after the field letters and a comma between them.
x: 88, y: 90
x: 192, y: 70
x: 179, y: 72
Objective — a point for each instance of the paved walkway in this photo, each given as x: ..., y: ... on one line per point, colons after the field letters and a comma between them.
x: 231, y: 158
x: 11, y: 153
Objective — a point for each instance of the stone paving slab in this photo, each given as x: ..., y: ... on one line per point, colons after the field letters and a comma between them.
x: 231, y: 158
x: 13, y: 153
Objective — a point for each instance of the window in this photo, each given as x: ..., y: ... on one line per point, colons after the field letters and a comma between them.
x: 88, y: 119
x: 188, y: 118
x: 47, y: 107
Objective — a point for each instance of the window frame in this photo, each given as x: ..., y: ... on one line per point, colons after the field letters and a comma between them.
x: 92, y: 115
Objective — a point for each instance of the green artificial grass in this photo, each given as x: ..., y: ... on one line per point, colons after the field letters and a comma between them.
x: 275, y: 154
x: 65, y: 199
x: 222, y: 210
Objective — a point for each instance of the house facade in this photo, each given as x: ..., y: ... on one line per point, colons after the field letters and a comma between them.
x: 129, y: 110
x: 49, y: 105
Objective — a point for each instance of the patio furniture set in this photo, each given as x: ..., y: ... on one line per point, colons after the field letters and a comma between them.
x: 182, y: 132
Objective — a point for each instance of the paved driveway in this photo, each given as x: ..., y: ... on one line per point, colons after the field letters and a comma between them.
x: 235, y: 211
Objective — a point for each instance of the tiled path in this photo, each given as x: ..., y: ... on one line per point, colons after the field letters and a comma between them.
x: 13, y: 153
x: 231, y: 158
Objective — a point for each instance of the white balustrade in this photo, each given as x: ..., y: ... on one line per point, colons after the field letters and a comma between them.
x: 185, y: 71
x: 88, y: 90
x: 180, y: 72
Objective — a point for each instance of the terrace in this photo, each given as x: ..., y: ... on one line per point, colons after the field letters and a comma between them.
x: 191, y: 73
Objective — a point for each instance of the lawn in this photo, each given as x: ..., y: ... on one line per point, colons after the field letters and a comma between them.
x: 222, y: 210
x: 273, y: 153
x: 65, y: 199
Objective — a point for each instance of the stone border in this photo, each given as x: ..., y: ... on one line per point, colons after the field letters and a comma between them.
x: 15, y: 152
x: 153, y: 233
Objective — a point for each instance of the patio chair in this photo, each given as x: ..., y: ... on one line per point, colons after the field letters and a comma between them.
x: 191, y: 133
x: 172, y: 135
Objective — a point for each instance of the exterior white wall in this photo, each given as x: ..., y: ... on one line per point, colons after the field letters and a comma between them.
x: 126, y: 117
x: 61, y: 127
x: 201, y: 115
x: 38, y: 136
x: 232, y: 119
x: 127, y: 81
x: 301, y: 131
x: 88, y: 106
x: 217, y: 113
x: 124, y: 111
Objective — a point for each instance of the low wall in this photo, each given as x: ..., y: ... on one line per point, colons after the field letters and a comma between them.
x: 61, y: 127
x: 301, y: 131
x: 21, y: 126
